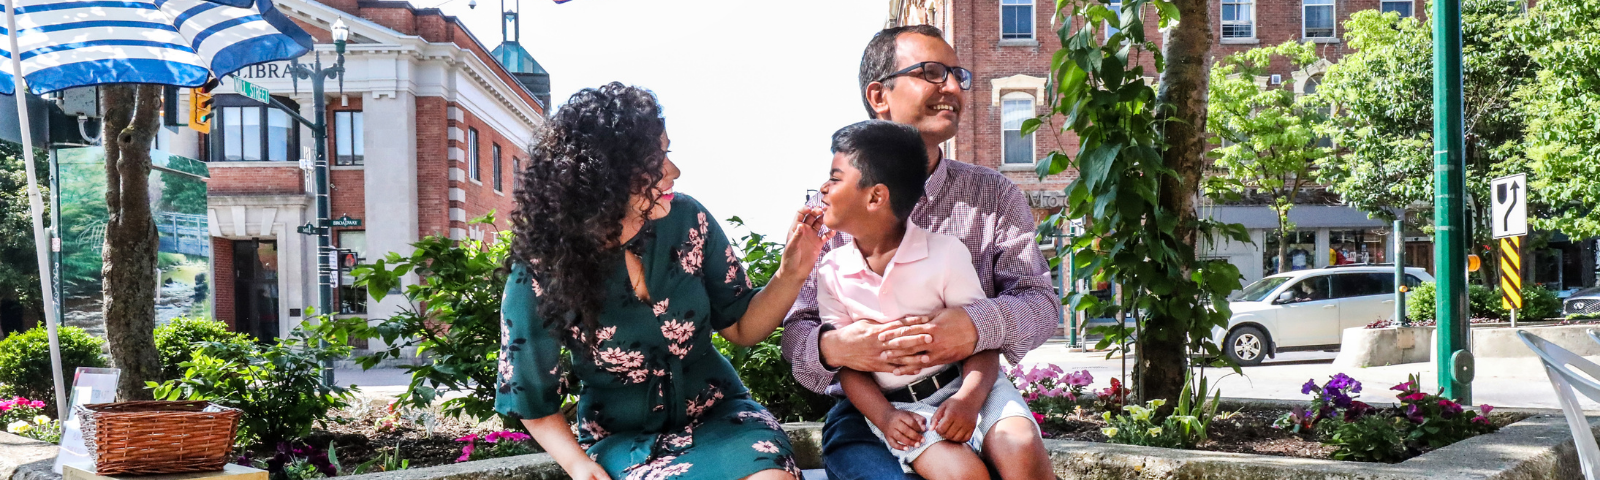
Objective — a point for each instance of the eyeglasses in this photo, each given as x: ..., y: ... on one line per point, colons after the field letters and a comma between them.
x: 936, y: 73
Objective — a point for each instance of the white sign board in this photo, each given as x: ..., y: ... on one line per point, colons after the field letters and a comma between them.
x: 89, y: 386
x: 1508, y: 200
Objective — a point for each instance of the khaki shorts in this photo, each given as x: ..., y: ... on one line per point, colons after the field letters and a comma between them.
x: 1004, y: 401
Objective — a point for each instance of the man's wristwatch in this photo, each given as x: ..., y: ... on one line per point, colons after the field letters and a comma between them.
x: 823, y: 359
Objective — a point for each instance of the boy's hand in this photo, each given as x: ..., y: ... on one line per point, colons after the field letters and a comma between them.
x: 956, y: 418
x: 902, y: 429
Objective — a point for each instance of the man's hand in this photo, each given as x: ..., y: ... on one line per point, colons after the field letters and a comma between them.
x: 902, y: 429
x: 948, y: 336
x: 857, y: 347
x: 956, y: 418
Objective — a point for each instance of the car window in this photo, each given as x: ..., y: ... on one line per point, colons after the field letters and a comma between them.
x: 1258, y: 291
x: 1310, y: 289
x: 1412, y: 281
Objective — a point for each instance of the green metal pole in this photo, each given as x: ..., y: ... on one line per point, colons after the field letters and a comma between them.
x: 1400, y: 272
x: 1449, y: 200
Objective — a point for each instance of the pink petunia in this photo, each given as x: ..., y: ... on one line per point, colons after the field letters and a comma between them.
x: 468, y: 438
x: 1486, y: 408
x: 1038, y: 418
x: 1404, y: 387
x: 466, y: 453
x: 1415, y: 396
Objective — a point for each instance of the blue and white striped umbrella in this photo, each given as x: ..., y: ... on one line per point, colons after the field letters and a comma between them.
x: 74, y: 43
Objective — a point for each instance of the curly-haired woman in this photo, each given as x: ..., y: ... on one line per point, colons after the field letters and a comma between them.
x: 631, y: 279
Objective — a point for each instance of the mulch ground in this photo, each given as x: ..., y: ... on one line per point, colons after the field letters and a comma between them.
x: 360, y: 434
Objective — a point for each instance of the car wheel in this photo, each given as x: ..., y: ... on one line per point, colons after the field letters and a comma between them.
x: 1246, y: 346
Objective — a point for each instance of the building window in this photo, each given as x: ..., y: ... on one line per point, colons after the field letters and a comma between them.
x: 352, y: 299
x: 1238, y: 19
x: 1403, y: 6
x: 247, y: 131
x: 1322, y: 110
x: 472, y: 155
x: 348, y: 148
x: 1016, y: 19
x: 1318, y: 17
x: 1301, y: 251
x: 1015, y: 108
x: 1365, y: 246
x: 495, y: 151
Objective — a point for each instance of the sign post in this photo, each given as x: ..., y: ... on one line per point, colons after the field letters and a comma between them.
x: 1509, y: 222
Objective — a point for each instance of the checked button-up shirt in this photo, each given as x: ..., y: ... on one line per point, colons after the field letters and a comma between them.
x: 990, y: 215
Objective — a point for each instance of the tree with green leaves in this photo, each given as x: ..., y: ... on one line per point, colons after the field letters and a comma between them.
x: 1268, y: 144
x: 1562, y: 108
x: 1140, y: 161
x: 1381, y: 96
x: 19, y: 265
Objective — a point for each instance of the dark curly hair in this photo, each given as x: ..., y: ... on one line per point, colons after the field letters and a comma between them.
x: 600, y: 148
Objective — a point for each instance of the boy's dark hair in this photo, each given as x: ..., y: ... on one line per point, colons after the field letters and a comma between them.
x: 878, y: 59
x: 890, y: 154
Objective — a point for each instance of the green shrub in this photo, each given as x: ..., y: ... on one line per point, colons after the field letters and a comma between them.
x: 1420, y: 302
x: 177, y: 341
x: 1138, y: 426
x: 25, y: 360
x: 278, y: 387
x: 453, y: 314
x: 1485, y: 302
x: 1539, y: 303
x: 1371, y: 439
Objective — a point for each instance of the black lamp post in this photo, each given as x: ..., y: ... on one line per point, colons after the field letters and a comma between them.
x: 327, y: 261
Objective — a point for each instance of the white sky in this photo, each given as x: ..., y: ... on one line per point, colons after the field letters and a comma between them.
x: 751, y: 90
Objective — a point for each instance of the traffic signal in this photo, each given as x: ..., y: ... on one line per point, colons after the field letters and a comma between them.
x: 200, y: 106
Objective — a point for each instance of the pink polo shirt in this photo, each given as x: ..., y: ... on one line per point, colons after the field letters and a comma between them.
x: 929, y: 271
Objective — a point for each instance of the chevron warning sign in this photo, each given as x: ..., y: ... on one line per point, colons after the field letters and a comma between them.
x: 1511, y: 272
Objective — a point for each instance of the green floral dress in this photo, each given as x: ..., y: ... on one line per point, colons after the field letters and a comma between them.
x: 658, y: 401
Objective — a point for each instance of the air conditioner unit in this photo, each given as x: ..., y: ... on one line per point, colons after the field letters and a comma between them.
x: 1275, y: 79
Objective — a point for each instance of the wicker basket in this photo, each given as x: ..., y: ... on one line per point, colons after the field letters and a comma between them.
x: 150, y: 437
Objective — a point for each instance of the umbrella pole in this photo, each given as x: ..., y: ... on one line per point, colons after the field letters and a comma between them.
x: 41, y: 242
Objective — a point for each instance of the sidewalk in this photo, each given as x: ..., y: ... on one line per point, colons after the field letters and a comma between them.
x: 1517, y: 382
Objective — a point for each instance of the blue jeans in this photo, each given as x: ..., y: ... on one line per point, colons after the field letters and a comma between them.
x: 851, y: 452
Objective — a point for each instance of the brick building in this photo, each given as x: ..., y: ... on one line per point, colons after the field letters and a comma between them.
x: 449, y: 124
x: 1008, y: 45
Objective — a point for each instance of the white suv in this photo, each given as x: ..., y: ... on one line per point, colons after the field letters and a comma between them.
x: 1308, y: 309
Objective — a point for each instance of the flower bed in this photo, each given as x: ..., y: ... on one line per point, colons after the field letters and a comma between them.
x: 1333, y: 425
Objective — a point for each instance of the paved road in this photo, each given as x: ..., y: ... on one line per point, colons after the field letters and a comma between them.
x: 1500, y: 382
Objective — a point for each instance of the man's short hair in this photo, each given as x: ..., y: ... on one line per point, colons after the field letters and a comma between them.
x: 890, y: 154
x: 878, y: 59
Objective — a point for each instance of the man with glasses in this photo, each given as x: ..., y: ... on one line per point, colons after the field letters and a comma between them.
x: 910, y: 75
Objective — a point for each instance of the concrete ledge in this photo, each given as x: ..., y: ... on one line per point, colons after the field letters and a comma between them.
x: 23, y: 458
x: 1363, y: 347
x: 1537, y: 448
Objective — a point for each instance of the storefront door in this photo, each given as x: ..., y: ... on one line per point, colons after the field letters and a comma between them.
x: 255, y: 269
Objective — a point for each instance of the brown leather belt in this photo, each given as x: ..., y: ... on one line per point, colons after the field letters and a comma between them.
x: 926, y: 387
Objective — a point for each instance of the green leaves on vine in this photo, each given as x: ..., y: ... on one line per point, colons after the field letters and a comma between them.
x: 1104, y: 91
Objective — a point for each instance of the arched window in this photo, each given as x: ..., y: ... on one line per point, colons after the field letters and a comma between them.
x: 1311, y: 89
x: 1015, y: 107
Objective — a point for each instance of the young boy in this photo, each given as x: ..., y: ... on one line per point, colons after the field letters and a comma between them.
x: 935, y: 420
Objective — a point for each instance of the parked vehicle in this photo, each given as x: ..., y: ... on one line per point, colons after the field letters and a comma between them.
x: 1308, y: 309
x: 1582, y: 302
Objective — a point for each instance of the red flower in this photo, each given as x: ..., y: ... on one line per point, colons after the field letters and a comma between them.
x: 1038, y: 418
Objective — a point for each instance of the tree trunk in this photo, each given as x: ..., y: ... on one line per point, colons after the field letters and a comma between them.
x: 131, y: 118
x: 1163, y: 352
x: 1283, y: 250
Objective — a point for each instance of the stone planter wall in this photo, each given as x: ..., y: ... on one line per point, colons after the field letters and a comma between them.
x: 1363, y: 347
x: 1538, y: 448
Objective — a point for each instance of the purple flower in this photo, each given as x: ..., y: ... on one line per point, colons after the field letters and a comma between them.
x: 1486, y: 408
x: 1404, y: 387
x: 1414, y: 414
x: 1344, y: 382
x: 1310, y: 386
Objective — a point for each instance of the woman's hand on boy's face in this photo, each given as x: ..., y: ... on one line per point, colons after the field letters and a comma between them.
x: 804, y: 242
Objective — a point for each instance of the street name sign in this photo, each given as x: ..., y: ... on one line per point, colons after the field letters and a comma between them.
x: 257, y: 92
x: 1508, y: 199
x: 345, y: 221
